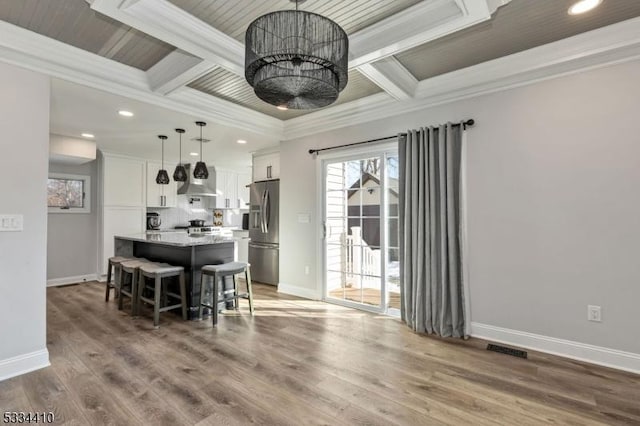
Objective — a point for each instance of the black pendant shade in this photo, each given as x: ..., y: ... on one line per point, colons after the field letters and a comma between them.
x: 200, y: 171
x: 163, y: 177
x: 180, y: 173
x: 296, y: 59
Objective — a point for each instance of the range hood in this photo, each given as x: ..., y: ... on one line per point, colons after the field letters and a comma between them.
x: 199, y: 187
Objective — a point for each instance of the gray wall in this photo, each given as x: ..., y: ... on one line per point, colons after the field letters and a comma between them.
x: 72, y: 238
x: 24, y: 120
x: 554, y: 172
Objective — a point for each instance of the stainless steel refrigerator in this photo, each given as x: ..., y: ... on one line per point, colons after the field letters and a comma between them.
x: 263, y: 231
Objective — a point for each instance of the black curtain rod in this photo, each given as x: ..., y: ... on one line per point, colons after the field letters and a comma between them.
x: 467, y: 123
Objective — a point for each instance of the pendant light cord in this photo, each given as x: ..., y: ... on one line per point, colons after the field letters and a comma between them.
x: 180, y: 153
x: 200, y: 143
x: 162, y: 154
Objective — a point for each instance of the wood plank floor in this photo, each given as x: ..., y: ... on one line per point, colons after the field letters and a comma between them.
x: 368, y: 296
x: 297, y: 362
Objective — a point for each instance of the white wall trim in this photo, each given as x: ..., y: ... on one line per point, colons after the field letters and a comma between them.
x: 599, y: 355
x: 23, y: 364
x: 306, y: 293
x: 71, y: 280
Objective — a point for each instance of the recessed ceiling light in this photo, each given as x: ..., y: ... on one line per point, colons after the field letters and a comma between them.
x: 242, y: 141
x: 194, y: 154
x: 88, y: 135
x: 583, y: 6
x: 282, y: 107
x: 125, y: 113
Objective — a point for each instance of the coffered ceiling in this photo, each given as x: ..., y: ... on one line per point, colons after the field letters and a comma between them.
x: 188, y: 55
x: 521, y: 25
x: 233, y: 17
x: 73, y: 22
x: 234, y: 88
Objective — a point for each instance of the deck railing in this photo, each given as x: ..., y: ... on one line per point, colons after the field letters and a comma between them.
x: 361, y: 262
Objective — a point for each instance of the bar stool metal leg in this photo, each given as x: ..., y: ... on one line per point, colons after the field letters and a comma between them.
x: 247, y: 276
x: 214, y: 314
x: 121, y: 281
x: 108, y: 286
x: 156, y: 306
x: 235, y: 292
x: 201, y: 308
x: 183, y: 295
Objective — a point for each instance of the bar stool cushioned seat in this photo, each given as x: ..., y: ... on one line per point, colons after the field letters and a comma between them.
x: 157, y: 272
x: 218, y: 272
x: 113, y: 270
x: 130, y: 267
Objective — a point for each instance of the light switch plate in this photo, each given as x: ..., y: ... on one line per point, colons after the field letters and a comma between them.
x: 11, y: 222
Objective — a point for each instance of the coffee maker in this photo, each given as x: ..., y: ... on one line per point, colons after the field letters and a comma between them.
x: 153, y: 221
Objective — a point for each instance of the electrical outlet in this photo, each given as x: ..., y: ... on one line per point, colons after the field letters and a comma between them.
x: 594, y: 313
x: 306, y: 270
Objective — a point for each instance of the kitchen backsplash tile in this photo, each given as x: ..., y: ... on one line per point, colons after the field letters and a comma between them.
x: 190, y: 208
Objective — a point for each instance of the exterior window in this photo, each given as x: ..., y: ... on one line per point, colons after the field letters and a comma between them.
x: 68, y: 193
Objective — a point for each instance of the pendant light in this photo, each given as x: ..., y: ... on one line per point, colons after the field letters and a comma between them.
x: 180, y: 174
x: 296, y: 59
x: 163, y: 176
x: 200, y: 171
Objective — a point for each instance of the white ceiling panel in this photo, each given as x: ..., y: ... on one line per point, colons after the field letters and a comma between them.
x: 73, y: 22
x: 518, y: 26
x: 233, y: 17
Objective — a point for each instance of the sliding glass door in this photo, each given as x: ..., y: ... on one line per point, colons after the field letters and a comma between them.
x: 361, y: 231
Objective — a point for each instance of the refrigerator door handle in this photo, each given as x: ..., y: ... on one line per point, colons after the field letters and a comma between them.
x: 260, y: 246
x: 267, y: 208
x: 262, y: 212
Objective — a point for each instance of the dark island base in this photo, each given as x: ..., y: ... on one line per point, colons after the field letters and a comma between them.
x: 192, y: 258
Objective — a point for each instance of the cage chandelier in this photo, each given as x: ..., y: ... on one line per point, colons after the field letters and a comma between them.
x: 296, y: 59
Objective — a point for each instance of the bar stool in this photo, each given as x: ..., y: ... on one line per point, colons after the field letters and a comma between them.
x: 113, y: 270
x: 158, y: 271
x: 130, y: 267
x: 218, y: 272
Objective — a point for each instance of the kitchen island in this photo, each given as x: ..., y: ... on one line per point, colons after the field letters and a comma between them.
x: 180, y: 249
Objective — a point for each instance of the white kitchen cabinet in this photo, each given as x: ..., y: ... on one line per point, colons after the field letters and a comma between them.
x: 123, y: 181
x: 121, y: 201
x: 226, y: 189
x: 231, y: 189
x: 266, y: 167
x: 119, y: 221
x: 241, y: 251
x: 244, y: 179
x: 160, y: 195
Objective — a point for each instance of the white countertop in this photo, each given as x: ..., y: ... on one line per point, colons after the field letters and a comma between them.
x: 178, y: 239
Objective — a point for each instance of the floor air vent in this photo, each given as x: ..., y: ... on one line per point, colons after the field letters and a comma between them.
x: 507, y: 351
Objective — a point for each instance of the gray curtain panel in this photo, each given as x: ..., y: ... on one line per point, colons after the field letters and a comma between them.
x: 430, y: 229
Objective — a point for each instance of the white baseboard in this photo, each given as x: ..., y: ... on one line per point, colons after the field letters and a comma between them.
x: 71, y: 280
x: 293, y: 290
x: 606, y: 357
x: 23, y: 364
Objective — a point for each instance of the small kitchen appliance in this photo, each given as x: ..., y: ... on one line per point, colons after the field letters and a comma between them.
x: 153, y: 221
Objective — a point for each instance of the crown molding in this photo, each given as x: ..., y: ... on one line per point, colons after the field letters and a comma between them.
x: 42, y: 54
x: 605, y: 46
